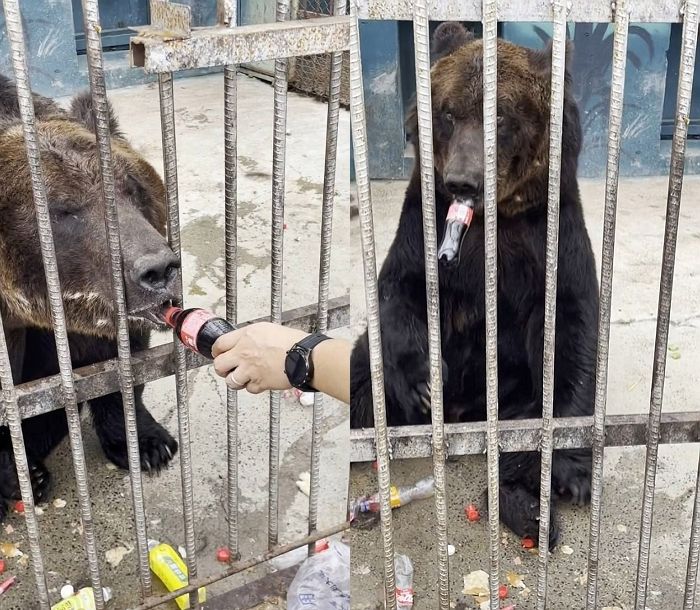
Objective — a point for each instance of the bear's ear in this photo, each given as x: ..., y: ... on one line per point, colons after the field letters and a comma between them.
x: 81, y: 109
x: 541, y: 59
x: 448, y: 37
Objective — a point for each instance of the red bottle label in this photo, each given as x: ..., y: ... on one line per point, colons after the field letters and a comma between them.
x: 460, y: 212
x: 191, y: 326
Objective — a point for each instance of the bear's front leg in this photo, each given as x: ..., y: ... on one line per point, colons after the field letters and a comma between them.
x: 9, y: 483
x: 156, y: 446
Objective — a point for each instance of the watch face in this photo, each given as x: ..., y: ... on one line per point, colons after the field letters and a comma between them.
x: 296, y: 367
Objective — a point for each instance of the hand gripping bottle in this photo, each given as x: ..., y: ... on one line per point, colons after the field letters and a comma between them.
x: 198, y: 329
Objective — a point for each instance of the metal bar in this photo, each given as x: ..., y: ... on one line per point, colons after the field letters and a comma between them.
x: 617, y: 92
x: 245, y: 44
x: 228, y: 17
x: 15, y: 34
x: 596, y: 11
x: 167, y: 118
x: 369, y: 263
x: 421, y: 38
x: 241, y: 566
x: 490, y: 82
x: 524, y: 434
x: 675, y: 185
x: 92, y: 28
x: 8, y: 404
x: 279, y: 145
x: 324, y: 272
x: 100, y: 379
x: 550, y: 296
x: 691, y: 578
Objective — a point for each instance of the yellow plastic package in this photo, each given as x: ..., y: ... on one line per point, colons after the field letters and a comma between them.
x: 168, y: 566
x: 82, y: 600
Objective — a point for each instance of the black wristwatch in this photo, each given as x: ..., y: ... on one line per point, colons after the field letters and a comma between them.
x: 298, y: 365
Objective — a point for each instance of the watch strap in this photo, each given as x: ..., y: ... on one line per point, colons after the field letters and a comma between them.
x: 306, y: 345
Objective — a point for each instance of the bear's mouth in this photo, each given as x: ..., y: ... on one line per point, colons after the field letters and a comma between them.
x: 151, y: 316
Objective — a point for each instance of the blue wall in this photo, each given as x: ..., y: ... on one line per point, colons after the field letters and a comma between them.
x: 643, y: 150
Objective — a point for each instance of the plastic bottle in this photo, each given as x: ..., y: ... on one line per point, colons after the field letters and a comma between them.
x: 399, y: 496
x: 84, y: 599
x: 459, y: 217
x: 403, y: 570
x: 168, y: 566
x: 197, y: 328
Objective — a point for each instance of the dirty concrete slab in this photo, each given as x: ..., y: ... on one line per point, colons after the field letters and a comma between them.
x: 640, y: 226
x: 200, y: 145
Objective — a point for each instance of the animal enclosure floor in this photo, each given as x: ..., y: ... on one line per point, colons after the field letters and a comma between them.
x: 640, y: 226
x: 200, y: 146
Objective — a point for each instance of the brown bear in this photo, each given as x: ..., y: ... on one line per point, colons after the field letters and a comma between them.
x: 73, y: 184
x: 522, y: 184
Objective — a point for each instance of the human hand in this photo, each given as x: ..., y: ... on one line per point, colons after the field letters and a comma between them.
x: 257, y: 353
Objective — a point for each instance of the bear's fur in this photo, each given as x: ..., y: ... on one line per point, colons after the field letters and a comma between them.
x: 522, y: 184
x: 70, y: 167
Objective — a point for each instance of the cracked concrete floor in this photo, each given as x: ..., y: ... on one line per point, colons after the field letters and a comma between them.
x: 200, y: 143
x: 640, y: 226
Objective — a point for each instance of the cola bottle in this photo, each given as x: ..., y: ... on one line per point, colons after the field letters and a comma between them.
x: 197, y: 328
x: 459, y: 217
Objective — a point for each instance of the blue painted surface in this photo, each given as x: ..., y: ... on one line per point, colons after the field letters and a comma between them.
x: 643, y: 150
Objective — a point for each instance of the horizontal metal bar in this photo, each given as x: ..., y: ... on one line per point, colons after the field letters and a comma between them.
x: 241, y: 566
x: 525, y: 435
x: 43, y: 395
x: 596, y: 11
x: 221, y: 46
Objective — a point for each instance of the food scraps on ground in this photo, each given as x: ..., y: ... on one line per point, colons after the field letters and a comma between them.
x: 5, y: 585
x: 515, y: 580
x: 114, y: 556
x: 67, y: 591
x: 223, y: 554
x: 476, y: 583
x: 10, y: 550
x: 566, y: 549
x: 528, y: 543
x: 19, y: 506
x: 59, y: 503
x: 304, y: 483
x: 2, y: 566
x: 502, y: 591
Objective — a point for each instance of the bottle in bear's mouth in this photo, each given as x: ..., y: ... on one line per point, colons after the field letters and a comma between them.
x: 459, y: 217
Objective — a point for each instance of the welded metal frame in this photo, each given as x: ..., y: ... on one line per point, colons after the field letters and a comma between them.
x: 72, y: 387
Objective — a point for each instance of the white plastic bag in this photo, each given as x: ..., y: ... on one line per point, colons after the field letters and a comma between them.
x: 323, y: 581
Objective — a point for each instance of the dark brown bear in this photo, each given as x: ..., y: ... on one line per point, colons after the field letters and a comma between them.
x: 71, y: 171
x: 523, y: 145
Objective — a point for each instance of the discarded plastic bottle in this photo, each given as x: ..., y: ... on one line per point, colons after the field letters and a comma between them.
x: 400, y: 496
x: 197, y: 328
x: 82, y: 600
x: 403, y: 569
x: 459, y: 217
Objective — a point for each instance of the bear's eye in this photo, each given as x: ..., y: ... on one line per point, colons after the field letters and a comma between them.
x: 499, y: 120
x: 449, y: 117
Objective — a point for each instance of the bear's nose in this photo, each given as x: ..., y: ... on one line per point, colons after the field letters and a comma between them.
x: 463, y: 183
x: 155, y: 271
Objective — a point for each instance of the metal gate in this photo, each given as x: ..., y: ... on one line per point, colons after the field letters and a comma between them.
x: 169, y: 45
x: 546, y: 434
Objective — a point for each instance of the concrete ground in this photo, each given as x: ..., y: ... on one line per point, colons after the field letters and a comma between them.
x: 199, y: 121
x: 641, y: 213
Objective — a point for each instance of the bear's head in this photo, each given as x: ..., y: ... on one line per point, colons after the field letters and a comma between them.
x: 71, y: 169
x: 523, y: 103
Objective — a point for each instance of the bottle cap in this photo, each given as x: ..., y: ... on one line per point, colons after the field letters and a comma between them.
x: 169, y: 315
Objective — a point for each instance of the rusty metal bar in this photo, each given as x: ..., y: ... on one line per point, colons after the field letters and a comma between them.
x: 241, y: 566
x: 15, y: 34
x: 167, y: 119
x: 550, y: 298
x: 92, y: 28
x: 228, y: 17
x: 675, y: 185
x: 279, y: 146
x: 369, y: 262
x: 490, y: 84
x: 524, y: 435
x: 596, y: 11
x: 617, y: 91
x: 421, y: 38
x: 324, y: 272
x: 100, y: 379
x: 8, y: 404
x: 249, y: 43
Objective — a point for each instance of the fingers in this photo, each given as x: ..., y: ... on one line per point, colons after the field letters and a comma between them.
x: 226, y: 362
x: 227, y: 342
x: 237, y: 379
